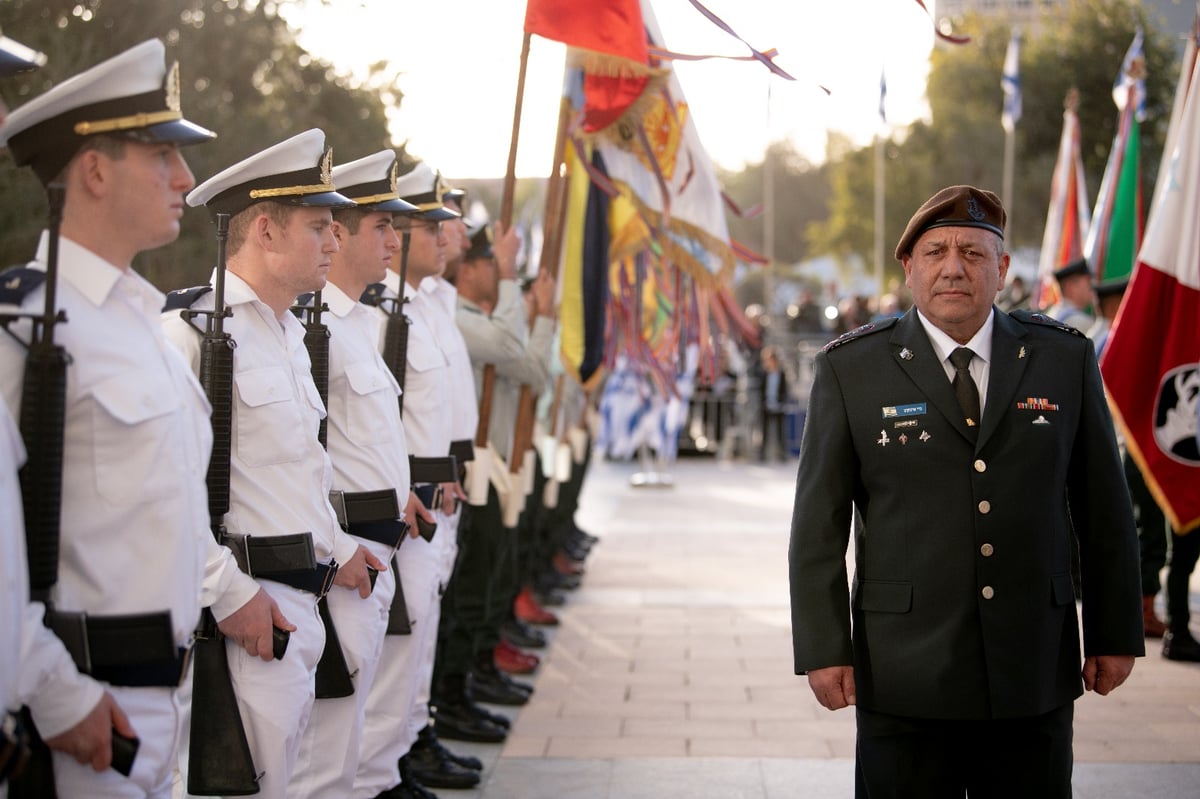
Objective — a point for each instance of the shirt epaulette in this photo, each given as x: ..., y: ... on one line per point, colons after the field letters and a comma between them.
x: 184, y: 298
x: 1032, y: 318
x: 373, y: 295
x: 18, y: 282
x: 859, y: 332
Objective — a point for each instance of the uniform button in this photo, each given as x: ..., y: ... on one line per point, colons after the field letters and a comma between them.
x: 986, y: 550
x: 985, y: 506
x: 980, y: 466
x: 987, y: 592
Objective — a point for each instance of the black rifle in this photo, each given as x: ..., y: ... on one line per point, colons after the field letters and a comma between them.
x: 333, y: 673
x: 219, y: 759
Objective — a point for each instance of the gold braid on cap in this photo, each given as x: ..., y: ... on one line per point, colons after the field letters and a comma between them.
x: 142, y: 119
x: 379, y: 198
x: 326, y: 183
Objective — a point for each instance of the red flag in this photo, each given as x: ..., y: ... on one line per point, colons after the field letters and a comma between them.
x: 608, y: 27
x: 1151, y: 364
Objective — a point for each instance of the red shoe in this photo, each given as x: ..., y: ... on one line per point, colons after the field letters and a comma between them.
x: 512, y: 660
x: 565, y: 565
x: 529, y: 610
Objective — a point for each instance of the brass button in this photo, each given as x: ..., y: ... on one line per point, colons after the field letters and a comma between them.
x: 980, y: 466
x: 985, y: 506
x: 986, y: 550
x: 987, y: 592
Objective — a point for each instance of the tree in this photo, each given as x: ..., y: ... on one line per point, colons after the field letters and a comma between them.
x: 242, y: 74
x: 1079, y: 45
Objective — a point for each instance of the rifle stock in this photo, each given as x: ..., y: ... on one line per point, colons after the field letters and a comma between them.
x: 219, y: 758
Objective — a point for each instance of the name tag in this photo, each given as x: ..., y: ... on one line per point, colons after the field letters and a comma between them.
x: 898, y: 411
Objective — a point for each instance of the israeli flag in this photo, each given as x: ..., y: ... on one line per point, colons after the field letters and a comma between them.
x: 1010, y: 81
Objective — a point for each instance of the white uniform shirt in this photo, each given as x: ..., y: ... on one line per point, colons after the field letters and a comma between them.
x: 33, y: 662
x: 427, y: 403
x: 464, y: 416
x: 136, y: 446
x: 366, y: 439
x: 280, y: 475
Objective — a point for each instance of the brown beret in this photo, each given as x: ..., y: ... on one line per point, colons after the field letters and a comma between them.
x: 954, y: 206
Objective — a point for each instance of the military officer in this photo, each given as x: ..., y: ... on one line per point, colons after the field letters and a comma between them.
x: 134, y: 531
x: 1075, y: 286
x: 969, y: 447
x: 280, y: 244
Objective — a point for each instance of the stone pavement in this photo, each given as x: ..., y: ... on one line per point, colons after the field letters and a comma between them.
x: 671, y: 673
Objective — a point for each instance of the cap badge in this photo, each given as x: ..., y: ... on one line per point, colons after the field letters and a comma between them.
x: 172, y: 88
x: 327, y: 167
x: 973, y: 209
x: 439, y: 187
x: 392, y: 178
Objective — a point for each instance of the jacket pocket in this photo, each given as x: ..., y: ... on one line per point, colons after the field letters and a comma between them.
x: 881, y: 596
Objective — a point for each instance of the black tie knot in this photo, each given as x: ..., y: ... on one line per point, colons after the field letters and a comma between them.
x: 961, y: 358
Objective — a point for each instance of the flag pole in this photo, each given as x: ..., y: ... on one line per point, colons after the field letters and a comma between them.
x: 879, y: 183
x: 1010, y: 147
x: 510, y: 176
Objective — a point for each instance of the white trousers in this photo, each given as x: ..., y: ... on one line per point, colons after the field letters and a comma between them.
x: 329, y: 749
x: 275, y: 697
x: 157, y: 716
x: 386, y: 735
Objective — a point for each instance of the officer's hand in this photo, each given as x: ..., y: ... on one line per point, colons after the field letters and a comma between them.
x: 543, y: 294
x: 250, y: 625
x: 451, y: 494
x: 505, y: 246
x: 833, y: 686
x: 1104, y: 673
x: 412, y: 510
x: 353, y: 573
x: 90, y: 741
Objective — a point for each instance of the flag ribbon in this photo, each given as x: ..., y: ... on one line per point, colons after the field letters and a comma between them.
x: 766, y: 58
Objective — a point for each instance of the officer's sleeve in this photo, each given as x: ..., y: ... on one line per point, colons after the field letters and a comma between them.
x: 821, y: 520
x: 533, y: 367
x: 1102, y: 516
x: 57, y: 694
x: 226, y: 588
x: 499, y: 337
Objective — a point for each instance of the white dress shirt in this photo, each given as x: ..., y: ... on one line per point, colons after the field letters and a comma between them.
x: 464, y: 415
x: 980, y: 344
x: 136, y: 442
x: 367, y: 444
x: 280, y: 475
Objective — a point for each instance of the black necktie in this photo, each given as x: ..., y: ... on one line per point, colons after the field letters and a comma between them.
x: 965, y: 390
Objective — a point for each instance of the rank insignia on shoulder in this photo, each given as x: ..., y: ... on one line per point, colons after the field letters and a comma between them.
x: 1032, y: 317
x: 17, y: 283
x: 184, y: 298
x: 859, y: 332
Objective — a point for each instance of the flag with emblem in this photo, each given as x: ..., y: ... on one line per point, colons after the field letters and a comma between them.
x: 1068, y: 217
x: 1151, y: 364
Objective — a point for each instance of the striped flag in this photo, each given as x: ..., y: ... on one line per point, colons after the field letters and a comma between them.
x: 1068, y: 217
x: 1151, y: 364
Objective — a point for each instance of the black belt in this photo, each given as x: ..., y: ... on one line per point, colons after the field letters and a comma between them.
x: 373, y: 515
x: 286, y: 559
x: 433, y: 470
x: 136, y: 650
x: 463, y: 450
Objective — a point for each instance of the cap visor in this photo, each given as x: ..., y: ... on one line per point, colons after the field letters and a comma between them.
x: 396, y: 206
x: 324, y: 199
x: 179, y: 131
x: 16, y: 57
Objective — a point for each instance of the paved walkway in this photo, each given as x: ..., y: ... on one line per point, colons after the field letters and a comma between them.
x: 671, y: 673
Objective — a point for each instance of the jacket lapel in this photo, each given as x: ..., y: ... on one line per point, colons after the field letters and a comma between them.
x: 915, y: 355
x: 1010, y: 355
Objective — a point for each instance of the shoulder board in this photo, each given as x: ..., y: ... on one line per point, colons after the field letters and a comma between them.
x: 471, y: 309
x: 18, y: 283
x: 859, y: 332
x: 1032, y: 318
x: 302, y: 302
x: 184, y: 298
x: 373, y: 295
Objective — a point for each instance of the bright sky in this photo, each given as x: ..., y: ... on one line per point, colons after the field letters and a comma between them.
x: 458, y: 63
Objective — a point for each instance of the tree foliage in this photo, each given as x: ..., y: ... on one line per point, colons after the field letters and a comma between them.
x: 242, y: 74
x: 1079, y: 45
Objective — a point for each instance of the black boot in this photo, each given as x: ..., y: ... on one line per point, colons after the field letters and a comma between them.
x: 431, y: 767
x: 489, y: 684
x: 455, y: 717
x: 1178, y: 644
x: 428, y: 738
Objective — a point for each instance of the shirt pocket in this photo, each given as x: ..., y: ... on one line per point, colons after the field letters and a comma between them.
x: 270, y: 422
x: 372, y: 395
x: 136, y: 436
x: 424, y: 355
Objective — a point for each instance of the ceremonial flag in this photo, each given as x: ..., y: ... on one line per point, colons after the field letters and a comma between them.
x: 1116, y: 230
x: 1010, y: 81
x: 605, y: 27
x: 882, y: 96
x: 1068, y: 217
x: 1150, y: 363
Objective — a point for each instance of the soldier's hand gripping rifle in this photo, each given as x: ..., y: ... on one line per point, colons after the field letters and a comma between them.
x: 219, y: 759
x: 333, y: 673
